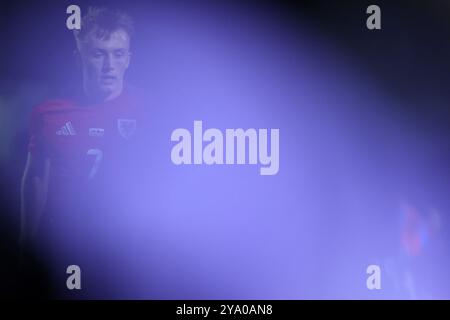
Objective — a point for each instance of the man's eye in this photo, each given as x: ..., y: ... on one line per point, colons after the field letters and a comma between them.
x: 119, y: 54
x: 97, y: 54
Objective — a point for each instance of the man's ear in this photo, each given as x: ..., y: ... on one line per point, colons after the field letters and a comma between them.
x: 128, y: 59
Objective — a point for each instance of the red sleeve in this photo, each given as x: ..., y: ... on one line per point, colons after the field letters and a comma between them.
x: 36, y: 145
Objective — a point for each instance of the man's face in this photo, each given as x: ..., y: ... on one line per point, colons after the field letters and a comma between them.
x: 104, y: 63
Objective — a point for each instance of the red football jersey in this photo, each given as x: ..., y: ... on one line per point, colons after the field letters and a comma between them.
x: 84, y: 143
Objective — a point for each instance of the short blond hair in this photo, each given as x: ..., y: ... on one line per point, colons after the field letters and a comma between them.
x: 104, y: 21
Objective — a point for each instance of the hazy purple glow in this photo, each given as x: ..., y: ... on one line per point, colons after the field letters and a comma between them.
x: 308, y: 232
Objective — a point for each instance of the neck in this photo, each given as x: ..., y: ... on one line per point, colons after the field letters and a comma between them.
x: 96, y: 96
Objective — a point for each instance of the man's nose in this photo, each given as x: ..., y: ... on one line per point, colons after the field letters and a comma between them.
x: 107, y: 65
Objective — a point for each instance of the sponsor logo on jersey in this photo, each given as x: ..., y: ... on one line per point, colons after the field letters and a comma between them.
x: 126, y: 127
x: 96, y: 132
x: 66, y: 130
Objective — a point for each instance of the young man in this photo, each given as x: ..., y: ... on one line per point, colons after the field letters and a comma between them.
x: 80, y: 149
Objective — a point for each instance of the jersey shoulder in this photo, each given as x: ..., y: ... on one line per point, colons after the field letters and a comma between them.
x: 54, y: 105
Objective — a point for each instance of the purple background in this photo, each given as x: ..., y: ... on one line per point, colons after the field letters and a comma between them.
x: 364, y: 149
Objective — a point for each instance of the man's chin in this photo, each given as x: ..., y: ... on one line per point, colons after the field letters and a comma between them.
x: 107, y: 87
